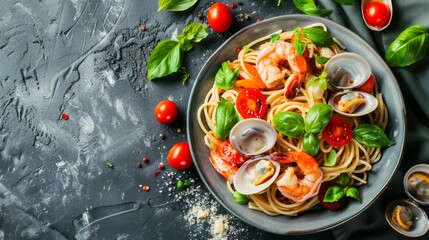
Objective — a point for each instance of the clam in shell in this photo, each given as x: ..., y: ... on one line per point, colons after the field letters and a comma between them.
x: 256, y: 175
x: 347, y: 70
x: 416, y: 182
x: 407, y: 218
x: 353, y: 103
x: 252, y: 136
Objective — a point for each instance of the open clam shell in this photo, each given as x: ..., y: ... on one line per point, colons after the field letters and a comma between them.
x: 252, y: 136
x: 417, y: 191
x: 347, y: 70
x: 244, y: 178
x: 365, y: 3
x: 370, y: 104
x: 419, y: 219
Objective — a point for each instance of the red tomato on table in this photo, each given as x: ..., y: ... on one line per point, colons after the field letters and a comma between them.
x: 377, y: 13
x: 166, y: 112
x: 179, y: 156
x: 251, y: 103
x: 219, y: 17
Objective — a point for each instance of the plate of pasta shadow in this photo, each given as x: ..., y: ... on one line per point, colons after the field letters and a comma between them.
x: 310, y: 221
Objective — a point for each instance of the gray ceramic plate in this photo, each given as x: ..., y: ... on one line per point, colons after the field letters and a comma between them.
x: 313, y: 221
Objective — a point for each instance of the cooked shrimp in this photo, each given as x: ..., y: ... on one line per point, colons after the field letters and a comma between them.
x: 226, y: 160
x: 269, y: 64
x: 301, y: 182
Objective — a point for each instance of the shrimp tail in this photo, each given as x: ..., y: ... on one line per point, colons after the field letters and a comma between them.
x: 293, y: 84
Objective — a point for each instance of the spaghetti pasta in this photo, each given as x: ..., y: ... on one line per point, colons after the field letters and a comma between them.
x: 354, y: 159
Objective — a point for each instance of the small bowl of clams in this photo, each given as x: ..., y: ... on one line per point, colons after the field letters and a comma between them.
x: 406, y: 216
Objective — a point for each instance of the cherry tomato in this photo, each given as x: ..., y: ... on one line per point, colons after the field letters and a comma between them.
x: 377, y: 14
x: 219, y: 17
x: 321, y: 195
x: 251, y: 103
x: 179, y: 156
x: 166, y: 111
x: 368, y: 85
x: 338, y: 132
x: 228, y: 154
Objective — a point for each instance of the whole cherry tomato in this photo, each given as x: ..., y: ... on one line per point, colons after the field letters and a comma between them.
x: 179, y: 156
x: 377, y: 13
x: 166, y: 111
x: 219, y: 17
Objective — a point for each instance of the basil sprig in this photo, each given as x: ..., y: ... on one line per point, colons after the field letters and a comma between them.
x: 176, y: 5
x: 336, y: 192
x: 316, y: 36
x: 167, y: 56
x: 371, y: 135
x: 226, y: 118
x: 275, y: 37
x: 293, y: 125
x: 310, y: 8
x: 409, y: 47
x: 225, y: 77
x: 322, y: 80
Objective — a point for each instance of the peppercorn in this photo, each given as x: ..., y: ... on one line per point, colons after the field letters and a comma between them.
x: 162, y: 136
x: 139, y: 165
x: 233, y: 5
x: 145, y: 159
x: 161, y: 166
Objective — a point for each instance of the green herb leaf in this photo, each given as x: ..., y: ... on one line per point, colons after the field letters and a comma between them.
x: 176, y: 5
x: 319, y: 37
x: 185, y: 75
x: 344, y: 180
x: 409, y: 47
x: 195, y: 32
x: 246, y: 49
x: 310, y: 143
x: 226, y: 118
x: 240, y: 198
x: 184, y: 43
x: 353, y: 192
x: 322, y: 80
x: 345, y: 2
x: 334, y: 194
x: 109, y: 164
x: 371, y: 135
x: 320, y: 60
x: 225, y: 78
x: 298, y: 44
x: 310, y: 8
x: 275, y: 37
x: 332, y: 159
x: 166, y: 58
x: 187, y: 183
x: 318, y: 117
x: 290, y: 124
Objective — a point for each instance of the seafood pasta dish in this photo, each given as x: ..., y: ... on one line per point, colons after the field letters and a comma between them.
x: 294, y: 122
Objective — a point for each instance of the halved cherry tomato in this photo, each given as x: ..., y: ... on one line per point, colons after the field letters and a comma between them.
x: 321, y: 195
x: 166, y: 111
x: 219, y: 17
x: 251, y: 103
x: 368, y: 85
x: 338, y: 132
x: 229, y: 155
x: 377, y: 13
x: 245, y: 80
x: 179, y: 156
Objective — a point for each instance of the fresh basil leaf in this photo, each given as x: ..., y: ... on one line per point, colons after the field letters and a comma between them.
x: 278, y: 2
x: 165, y: 58
x: 318, y: 117
x: 240, y: 198
x: 345, y: 2
x: 334, y: 194
x: 184, y: 43
x: 320, y: 59
x: 344, y: 180
x: 185, y: 75
x: 226, y: 118
x: 176, y: 5
x: 371, y: 135
x: 290, y: 124
x: 322, y: 80
x: 332, y: 159
x: 353, y: 192
x: 275, y: 37
x: 319, y: 37
x: 310, y: 144
x: 298, y: 45
x: 310, y: 8
x: 225, y: 77
x: 195, y: 32
x: 409, y: 47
